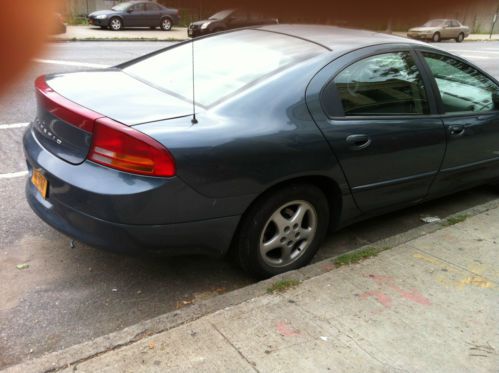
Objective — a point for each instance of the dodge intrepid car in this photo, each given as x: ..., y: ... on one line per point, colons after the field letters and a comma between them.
x: 298, y: 130
x: 440, y: 29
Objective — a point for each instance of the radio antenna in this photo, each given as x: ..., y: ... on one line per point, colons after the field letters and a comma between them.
x: 193, y: 120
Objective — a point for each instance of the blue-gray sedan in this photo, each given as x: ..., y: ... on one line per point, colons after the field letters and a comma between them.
x: 135, y: 14
x: 298, y: 130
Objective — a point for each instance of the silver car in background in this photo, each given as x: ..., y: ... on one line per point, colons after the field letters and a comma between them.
x: 440, y: 29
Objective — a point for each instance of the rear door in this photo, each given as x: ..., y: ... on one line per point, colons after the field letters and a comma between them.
x: 152, y: 14
x: 468, y: 100
x: 376, y: 113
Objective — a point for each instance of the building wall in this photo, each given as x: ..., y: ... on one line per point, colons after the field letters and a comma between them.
x: 478, y: 15
x: 78, y: 8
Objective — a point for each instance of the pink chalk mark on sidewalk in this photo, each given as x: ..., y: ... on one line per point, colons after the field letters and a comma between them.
x: 286, y: 330
x: 381, y: 297
x: 412, y: 296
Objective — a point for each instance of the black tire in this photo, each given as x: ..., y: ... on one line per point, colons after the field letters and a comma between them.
x: 115, y: 24
x: 258, y: 221
x: 166, y: 24
x: 436, y: 38
x: 460, y: 38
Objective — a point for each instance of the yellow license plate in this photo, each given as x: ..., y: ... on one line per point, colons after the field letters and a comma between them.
x: 40, y: 182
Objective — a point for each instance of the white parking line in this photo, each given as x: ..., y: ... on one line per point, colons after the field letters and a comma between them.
x: 13, y: 175
x: 72, y: 63
x: 13, y: 125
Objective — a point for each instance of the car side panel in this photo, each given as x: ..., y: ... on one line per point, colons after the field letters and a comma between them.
x: 399, y: 166
x: 253, y: 141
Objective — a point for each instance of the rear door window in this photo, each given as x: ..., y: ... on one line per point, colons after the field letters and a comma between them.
x: 152, y: 7
x: 384, y: 84
x: 462, y: 87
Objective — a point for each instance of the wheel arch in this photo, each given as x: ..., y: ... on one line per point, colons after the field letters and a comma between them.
x: 119, y: 17
x: 326, y: 184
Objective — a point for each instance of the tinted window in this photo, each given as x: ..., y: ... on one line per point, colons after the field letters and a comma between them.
x: 462, y: 88
x: 152, y: 6
x: 386, y: 84
x: 455, y: 23
x: 254, y: 56
x: 138, y: 7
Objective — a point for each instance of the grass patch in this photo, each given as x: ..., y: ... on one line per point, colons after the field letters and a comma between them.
x: 357, y: 256
x: 77, y: 21
x: 282, y: 285
x: 455, y: 219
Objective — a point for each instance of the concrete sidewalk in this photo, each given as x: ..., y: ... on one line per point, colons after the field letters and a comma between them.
x: 90, y: 33
x: 427, y: 305
x: 83, y: 33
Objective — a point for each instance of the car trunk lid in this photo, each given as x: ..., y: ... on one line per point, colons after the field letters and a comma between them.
x: 69, y: 105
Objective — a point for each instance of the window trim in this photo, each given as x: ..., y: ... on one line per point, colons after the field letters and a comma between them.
x: 419, y: 50
x: 329, y: 91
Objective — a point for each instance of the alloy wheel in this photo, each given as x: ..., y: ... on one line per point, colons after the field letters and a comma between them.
x: 166, y: 24
x: 288, y: 233
x: 115, y: 24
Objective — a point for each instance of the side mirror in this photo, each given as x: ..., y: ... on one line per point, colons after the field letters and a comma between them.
x: 129, y: 10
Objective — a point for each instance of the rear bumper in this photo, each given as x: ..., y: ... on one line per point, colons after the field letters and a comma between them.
x: 419, y: 36
x: 211, y: 237
x: 125, y: 213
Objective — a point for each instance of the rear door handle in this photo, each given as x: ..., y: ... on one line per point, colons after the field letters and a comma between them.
x: 358, y: 142
x: 456, y: 130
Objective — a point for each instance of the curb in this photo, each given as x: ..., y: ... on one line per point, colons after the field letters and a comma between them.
x: 55, y: 361
x: 70, y: 40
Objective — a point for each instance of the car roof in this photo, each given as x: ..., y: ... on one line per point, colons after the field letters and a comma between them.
x: 337, y: 38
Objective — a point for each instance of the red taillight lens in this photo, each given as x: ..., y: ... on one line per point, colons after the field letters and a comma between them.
x: 126, y: 149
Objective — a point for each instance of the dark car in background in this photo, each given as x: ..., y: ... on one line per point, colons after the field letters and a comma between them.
x: 299, y: 129
x: 228, y: 19
x: 135, y: 14
x: 440, y: 29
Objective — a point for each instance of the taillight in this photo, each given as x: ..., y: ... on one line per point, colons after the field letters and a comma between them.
x: 126, y: 149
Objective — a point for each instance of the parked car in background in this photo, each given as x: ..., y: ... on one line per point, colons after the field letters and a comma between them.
x: 135, y: 14
x: 440, y: 29
x: 228, y: 19
x: 300, y: 129
x: 59, y: 27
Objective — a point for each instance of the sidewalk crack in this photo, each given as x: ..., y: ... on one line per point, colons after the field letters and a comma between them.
x: 250, y: 363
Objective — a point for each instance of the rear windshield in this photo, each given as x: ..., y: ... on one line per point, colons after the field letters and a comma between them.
x: 224, y: 64
x: 434, y: 23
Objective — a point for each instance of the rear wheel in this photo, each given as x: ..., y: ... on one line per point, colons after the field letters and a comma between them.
x: 460, y: 37
x: 282, y: 231
x: 436, y: 37
x: 115, y: 24
x: 166, y: 24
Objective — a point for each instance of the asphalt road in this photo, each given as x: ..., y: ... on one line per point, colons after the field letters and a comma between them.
x: 70, y: 295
